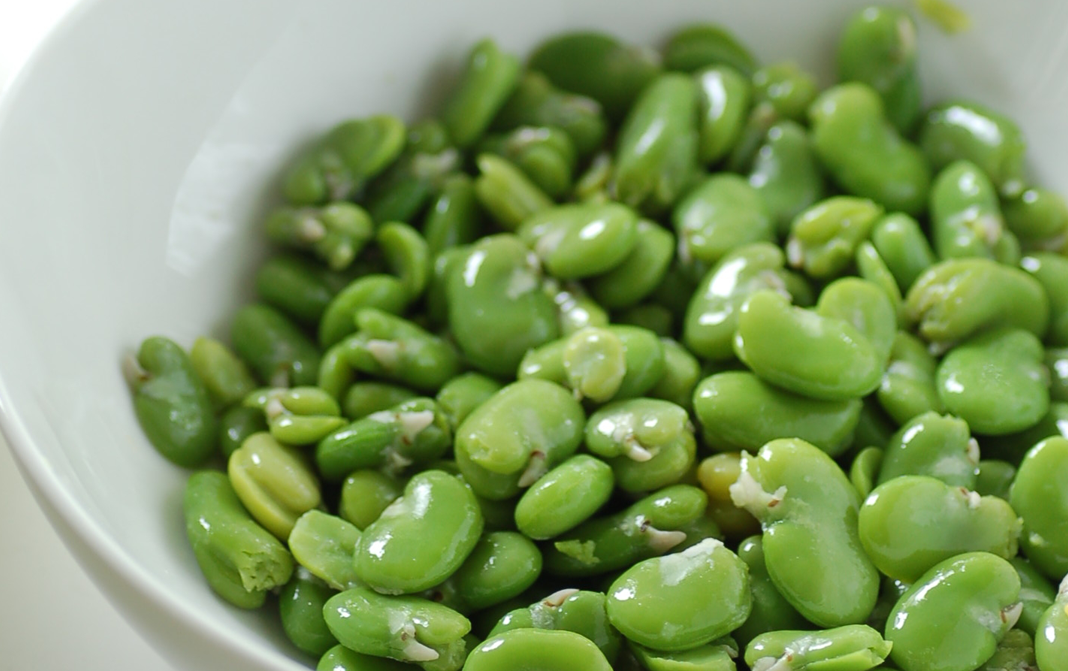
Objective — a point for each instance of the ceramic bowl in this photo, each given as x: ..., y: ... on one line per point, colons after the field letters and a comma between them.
x: 141, y: 145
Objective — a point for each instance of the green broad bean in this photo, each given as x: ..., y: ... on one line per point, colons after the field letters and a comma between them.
x: 546, y: 155
x: 902, y: 245
x: 407, y: 256
x: 824, y: 238
x: 704, y: 44
x: 656, y: 150
x: 296, y: 286
x: 863, y: 153
x: 786, y: 87
x: 871, y: 267
x: 340, y: 658
x: 545, y: 363
x: 172, y: 404
x: 506, y: 193
x: 865, y: 306
x: 908, y: 387
x: 497, y: 310
x: 966, y: 217
x: 335, y: 233
x: 365, y: 494
x: 799, y: 350
x: 633, y: 278
x: 1051, y: 271
x: 565, y: 497
x: 581, y: 240
x: 959, y: 297
x: 454, y: 218
x: 1036, y: 593
x: 240, y: 559
x: 421, y: 538
x: 1051, y: 637
x: 1038, y: 218
x: 855, y: 647
x: 412, y: 432
x: 277, y: 351
x: 273, y: 482
x: 965, y: 130
x: 787, y: 174
x: 488, y: 80
x: 878, y: 47
x: 336, y: 374
x: 337, y: 167
x: 1037, y: 497
x: 459, y: 397
x: 597, y: 66
x: 683, y: 600
x: 297, y: 416
x: 403, y: 628
x: 648, y: 528
x: 995, y: 478
x: 648, y: 443
x: 537, y: 650
x: 865, y: 469
x: 770, y: 611
x: 594, y: 363
x: 536, y: 102
x: 808, y: 508
x: 681, y: 373
x: 237, y: 424
x: 719, y: 215
x: 517, y: 436
x: 890, y: 591
x: 366, y: 398
x: 384, y: 292
x: 712, y: 315
x: 716, y: 656
x: 300, y: 605
x: 578, y: 611
x: 954, y: 616
x: 996, y: 381
x: 738, y: 411
x: 911, y: 523
x: 723, y: 96
x: 502, y: 565
x: 394, y: 348
x: 940, y: 446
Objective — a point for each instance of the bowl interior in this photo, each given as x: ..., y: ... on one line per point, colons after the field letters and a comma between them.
x: 142, y: 145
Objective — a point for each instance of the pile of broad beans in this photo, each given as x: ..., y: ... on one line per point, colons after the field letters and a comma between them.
x: 636, y: 360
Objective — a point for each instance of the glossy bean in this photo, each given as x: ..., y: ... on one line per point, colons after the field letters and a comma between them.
x: 536, y: 650
x: 903, y: 246
x: 935, y: 445
x: 396, y: 349
x: 770, y: 611
x: 1051, y: 271
x: 636, y: 276
x: 964, y: 130
x: 855, y: 647
x: 273, y: 482
x: 366, y: 398
x: 966, y: 218
x: 1051, y: 637
x: 807, y: 505
x: 863, y: 153
x: 683, y: 600
x: 240, y: 559
x: 787, y: 174
x: 373, y: 291
x: 506, y: 193
x: 786, y: 87
x: 488, y: 80
x: 300, y: 606
x: 739, y: 411
x: 648, y: 443
x: 365, y: 494
x: 277, y: 351
x: 723, y: 96
x: 335, y: 233
x: 171, y: 402
x: 565, y: 497
x: 536, y: 102
x: 581, y: 240
x: 719, y: 215
x: 824, y: 238
x: 1036, y: 496
x: 953, y: 617
x: 296, y: 286
x: 502, y: 565
x: 908, y: 387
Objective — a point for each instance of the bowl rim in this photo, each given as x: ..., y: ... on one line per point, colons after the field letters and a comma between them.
x: 62, y: 510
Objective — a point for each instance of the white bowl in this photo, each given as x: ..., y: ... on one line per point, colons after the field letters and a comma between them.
x: 142, y: 143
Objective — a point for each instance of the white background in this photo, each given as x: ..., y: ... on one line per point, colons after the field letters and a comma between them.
x: 51, y: 616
